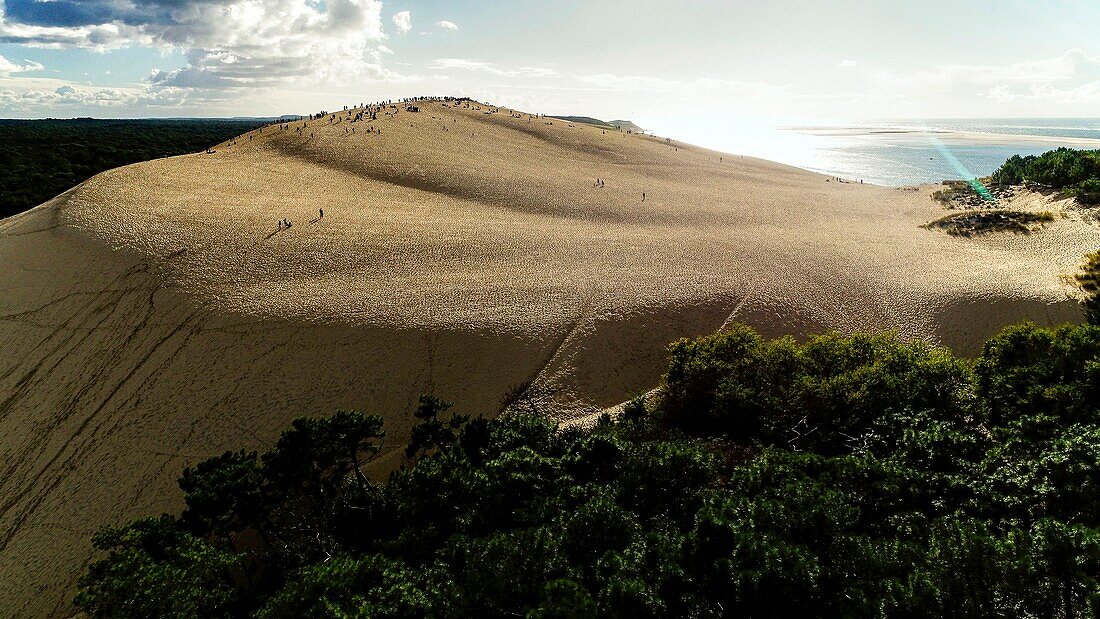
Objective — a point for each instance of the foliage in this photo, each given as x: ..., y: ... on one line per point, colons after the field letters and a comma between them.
x: 822, y: 396
x: 974, y: 223
x: 844, y: 476
x: 155, y: 568
x: 40, y: 159
x: 1089, y: 281
x: 1077, y: 172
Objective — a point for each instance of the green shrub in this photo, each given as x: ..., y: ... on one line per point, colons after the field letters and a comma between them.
x: 1077, y: 172
x: 1088, y: 192
x: 823, y: 395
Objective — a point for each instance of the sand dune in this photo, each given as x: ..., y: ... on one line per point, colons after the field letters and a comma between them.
x: 156, y: 315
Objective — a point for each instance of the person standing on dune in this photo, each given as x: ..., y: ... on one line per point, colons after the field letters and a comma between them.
x: 320, y: 213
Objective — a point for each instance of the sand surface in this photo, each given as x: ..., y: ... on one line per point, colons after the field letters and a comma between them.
x: 156, y: 315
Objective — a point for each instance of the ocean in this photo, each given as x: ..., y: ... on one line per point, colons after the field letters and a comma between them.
x: 905, y: 152
x: 884, y: 152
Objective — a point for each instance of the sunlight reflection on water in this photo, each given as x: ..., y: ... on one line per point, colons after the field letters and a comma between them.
x: 889, y: 152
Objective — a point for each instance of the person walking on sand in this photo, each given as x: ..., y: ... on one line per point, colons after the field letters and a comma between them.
x: 320, y: 213
x: 643, y: 196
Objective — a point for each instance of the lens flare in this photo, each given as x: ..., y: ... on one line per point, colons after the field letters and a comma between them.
x: 963, y: 171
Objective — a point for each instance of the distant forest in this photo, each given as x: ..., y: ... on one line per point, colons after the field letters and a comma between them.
x: 42, y: 158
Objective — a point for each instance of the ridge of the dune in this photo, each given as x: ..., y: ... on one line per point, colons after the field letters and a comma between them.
x: 466, y: 215
x: 159, y: 313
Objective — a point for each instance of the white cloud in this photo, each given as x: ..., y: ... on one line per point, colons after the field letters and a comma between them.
x: 1087, y: 93
x: 447, y: 25
x: 67, y: 97
x: 443, y: 64
x: 403, y: 21
x: 845, y: 64
x: 682, y: 88
x: 99, y: 37
x: 8, y: 67
x: 232, y: 44
x: 1072, y: 78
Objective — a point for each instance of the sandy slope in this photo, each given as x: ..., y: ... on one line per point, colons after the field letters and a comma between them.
x: 156, y: 315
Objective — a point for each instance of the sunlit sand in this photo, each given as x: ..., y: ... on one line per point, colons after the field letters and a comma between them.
x: 158, y: 314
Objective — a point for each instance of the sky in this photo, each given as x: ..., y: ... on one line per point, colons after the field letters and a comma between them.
x: 664, y: 64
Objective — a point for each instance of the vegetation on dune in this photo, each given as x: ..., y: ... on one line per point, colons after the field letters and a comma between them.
x: 42, y: 158
x: 973, y: 223
x: 1074, y: 172
x: 1089, y: 281
x: 846, y: 476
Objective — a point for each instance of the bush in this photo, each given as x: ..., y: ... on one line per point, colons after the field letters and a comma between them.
x: 1088, y: 192
x: 1077, y: 172
x: 823, y: 396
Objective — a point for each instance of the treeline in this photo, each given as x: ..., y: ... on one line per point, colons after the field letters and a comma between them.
x: 843, y: 477
x: 1076, y: 172
x: 42, y: 158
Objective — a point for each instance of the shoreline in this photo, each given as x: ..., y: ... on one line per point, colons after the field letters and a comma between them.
x: 885, y: 155
x: 972, y: 137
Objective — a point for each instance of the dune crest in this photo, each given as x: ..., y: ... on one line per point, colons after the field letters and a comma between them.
x: 158, y: 314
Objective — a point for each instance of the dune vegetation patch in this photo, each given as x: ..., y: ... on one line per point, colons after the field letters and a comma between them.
x: 1089, y: 281
x: 1089, y: 277
x: 975, y: 223
x: 979, y: 193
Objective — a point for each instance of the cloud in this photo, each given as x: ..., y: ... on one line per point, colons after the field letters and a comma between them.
x: 188, y: 77
x: 8, y: 67
x: 1072, y: 78
x: 845, y: 64
x: 100, y: 38
x: 444, y: 64
x: 447, y: 25
x: 66, y: 97
x: 229, y: 44
x: 684, y: 88
x: 1087, y: 93
x: 403, y: 21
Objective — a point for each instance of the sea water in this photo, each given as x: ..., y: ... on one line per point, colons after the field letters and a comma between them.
x: 889, y: 152
x: 904, y: 152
